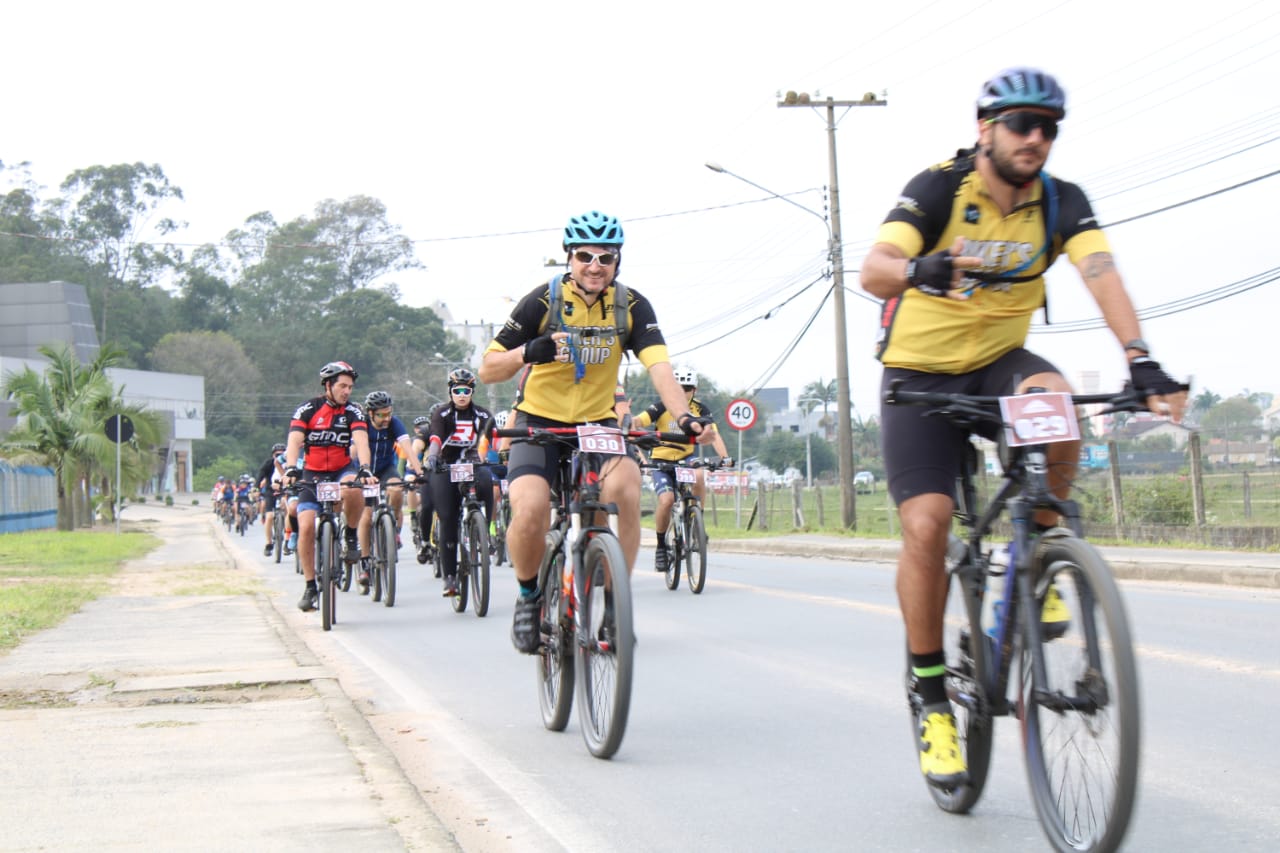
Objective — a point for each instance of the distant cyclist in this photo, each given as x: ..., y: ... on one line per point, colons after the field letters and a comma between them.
x: 664, y: 487
x: 459, y: 433
x: 334, y: 435
x: 268, y: 479
x: 387, y: 434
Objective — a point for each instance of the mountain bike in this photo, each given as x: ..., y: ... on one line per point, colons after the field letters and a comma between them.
x: 688, y: 543
x: 1077, y: 696
x: 383, y: 546
x: 586, y: 615
x: 329, y: 564
x: 473, y: 542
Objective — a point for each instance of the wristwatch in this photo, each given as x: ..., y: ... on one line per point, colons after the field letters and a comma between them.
x: 1139, y: 344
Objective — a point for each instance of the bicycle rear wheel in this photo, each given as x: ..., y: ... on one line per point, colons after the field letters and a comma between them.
x: 1081, y: 724
x: 555, y: 658
x: 465, y: 568
x: 478, y: 545
x: 606, y: 654
x: 277, y: 533
x: 695, y: 543
x: 324, y: 572
x: 386, y: 563
x: 965, y: 648
x: 675, y: 554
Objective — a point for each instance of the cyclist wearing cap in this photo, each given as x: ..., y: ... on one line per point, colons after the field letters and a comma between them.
x: 567, y: 385
x: 459, y: 433
x: 959, y: 263
x: 268, y: 480
x: 660, y: 419
x: 422, y: 493
x: 332, y: 431
x: 388, y: 439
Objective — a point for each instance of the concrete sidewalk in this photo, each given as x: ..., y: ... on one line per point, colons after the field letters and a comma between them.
x: 179, y: 713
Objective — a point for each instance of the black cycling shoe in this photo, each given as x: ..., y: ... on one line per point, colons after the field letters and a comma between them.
x: 310, y: 596
x: 450, y: 586
x: 351, y: 553
x: 362, y: 579
x: 266, y: 552
x: 525, y: 633
x: 661, y: 559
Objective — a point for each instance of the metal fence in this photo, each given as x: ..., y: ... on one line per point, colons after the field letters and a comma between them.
x: 28, y: 498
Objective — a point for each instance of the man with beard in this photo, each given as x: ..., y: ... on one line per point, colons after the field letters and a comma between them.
x: 960, y: 263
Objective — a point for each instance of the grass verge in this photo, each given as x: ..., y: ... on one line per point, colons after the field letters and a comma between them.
x: 46, y: 575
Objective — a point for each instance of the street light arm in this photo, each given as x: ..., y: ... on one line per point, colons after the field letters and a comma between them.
x: 716, y: 167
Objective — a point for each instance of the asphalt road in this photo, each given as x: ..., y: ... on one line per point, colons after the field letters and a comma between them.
x: 768, y: 714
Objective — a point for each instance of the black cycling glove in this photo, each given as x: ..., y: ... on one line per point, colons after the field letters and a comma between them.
x: 291, y: 476
x: 1150, y: 379
x: 931, y: 274
x: 364, y: 473
x: 540, y: 350
x: 687, y: 420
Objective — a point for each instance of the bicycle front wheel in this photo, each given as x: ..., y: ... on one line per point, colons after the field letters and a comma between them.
x: 675, y: 554
x: 1080, y: 718
x: 387, y: 563
x: 966, y: 652
x: 555, y: 658
x: 479, y: 559
x: 325, y: 557
x: 695, y: 543
x: 606, y: 653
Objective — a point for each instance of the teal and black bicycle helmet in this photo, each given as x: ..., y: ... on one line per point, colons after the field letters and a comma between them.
x: 593, y: 229
x: 1021, y: 87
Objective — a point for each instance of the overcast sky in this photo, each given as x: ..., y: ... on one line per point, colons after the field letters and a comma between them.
x: 482, y: 127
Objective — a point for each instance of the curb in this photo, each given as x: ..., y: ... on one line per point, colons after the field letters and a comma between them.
x: 399, y: 800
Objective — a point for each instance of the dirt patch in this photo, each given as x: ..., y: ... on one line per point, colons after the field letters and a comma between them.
x: 19, y: 697
x: 138, y: 579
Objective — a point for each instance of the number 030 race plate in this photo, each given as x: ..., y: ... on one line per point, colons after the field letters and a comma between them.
x: 598, y: 439
x: 1041, y: 418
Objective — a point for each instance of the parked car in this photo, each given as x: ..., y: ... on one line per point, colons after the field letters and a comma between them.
x: 864, y: 482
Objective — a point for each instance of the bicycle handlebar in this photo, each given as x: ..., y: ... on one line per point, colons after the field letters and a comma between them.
x: 971, y: 409
x: 643, y: 438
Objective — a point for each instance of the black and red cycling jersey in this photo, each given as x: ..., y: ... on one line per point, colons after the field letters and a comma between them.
x: 326, y: 431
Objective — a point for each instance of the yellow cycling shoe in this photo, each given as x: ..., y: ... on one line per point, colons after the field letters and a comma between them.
x: 1055, y: 616
x: 940, y: 759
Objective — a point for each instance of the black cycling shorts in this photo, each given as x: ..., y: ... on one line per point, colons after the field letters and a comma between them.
x: 543, y: 460
x: 924, y: 455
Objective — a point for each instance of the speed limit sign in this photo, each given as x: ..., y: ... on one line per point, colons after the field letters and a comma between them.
x: 741, y: 414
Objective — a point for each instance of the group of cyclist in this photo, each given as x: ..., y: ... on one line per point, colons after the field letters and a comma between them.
x: 959, y: 264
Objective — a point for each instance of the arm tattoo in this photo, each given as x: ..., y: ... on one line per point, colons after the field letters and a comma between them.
x: 1098, y: 265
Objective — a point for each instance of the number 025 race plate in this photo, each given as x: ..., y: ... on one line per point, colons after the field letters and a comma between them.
x: 1041, y: 418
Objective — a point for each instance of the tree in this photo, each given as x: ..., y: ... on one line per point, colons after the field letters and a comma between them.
x: 231, y: 381
x: 826, y: 392
x: 108, y: 213
x: 60, y: 417
x: 1234, y: 419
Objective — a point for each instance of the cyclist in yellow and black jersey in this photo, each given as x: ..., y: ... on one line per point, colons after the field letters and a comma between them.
x: 570, y: 366
x: 658, y: 417
x: 959, y: 263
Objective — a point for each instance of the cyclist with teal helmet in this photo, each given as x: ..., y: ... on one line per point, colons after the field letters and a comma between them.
x: 570, y: 380
x: 961, y: 277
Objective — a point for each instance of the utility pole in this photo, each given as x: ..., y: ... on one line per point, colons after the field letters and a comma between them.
x: 844, y: 422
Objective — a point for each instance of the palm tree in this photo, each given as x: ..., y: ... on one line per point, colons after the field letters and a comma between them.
x: 827, y: 393
x: 60, y: 417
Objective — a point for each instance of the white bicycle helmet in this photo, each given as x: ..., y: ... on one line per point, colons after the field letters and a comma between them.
x: 685, y: 376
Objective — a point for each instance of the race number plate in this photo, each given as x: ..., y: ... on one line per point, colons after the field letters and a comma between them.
x: 328, y: 491
x: 462, y: 472
x: 372, y: 491
x: 1042, y: 418
x: 685, y: 474
x: 598, y: 439
x: 503, y: 483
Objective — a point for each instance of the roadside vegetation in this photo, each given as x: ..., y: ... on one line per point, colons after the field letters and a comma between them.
x: 47, y: 575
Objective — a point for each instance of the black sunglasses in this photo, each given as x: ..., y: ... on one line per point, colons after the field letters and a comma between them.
x: 1023, y: 122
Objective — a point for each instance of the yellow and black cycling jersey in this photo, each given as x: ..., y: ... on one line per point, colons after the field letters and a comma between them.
x: 552, y: 390
x: 950, y: 200
x: 660, y: 419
